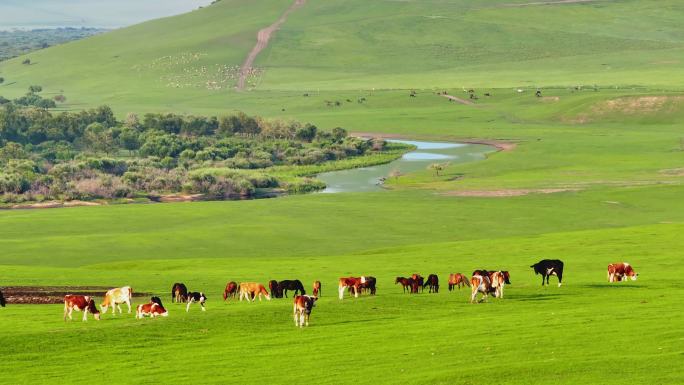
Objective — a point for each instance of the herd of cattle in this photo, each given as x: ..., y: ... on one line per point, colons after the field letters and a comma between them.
x: 482, y: 281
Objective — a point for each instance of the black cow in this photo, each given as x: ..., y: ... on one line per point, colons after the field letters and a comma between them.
x: 275, y: 289
x: 2, y: 300
x: 547, y: 268
x: 433, y: 282
x: 296, y: 285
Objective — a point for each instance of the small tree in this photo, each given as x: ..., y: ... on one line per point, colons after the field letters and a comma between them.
x: 339, y: 133
x: 26, y: 62
x: 35, y: 89
x: 2, y: 80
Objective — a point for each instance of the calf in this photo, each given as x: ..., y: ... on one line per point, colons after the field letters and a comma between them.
x: 620, y: 271
x: 547, y: 268
x: 115, y: 297
x: 198, y: 297
x: 459, y: 280
x: 230, y: 291
x: 250, y: 290
x: 152, y: 309
x: 82, y: 303
x: 179, y: 292
x: 317, y: 288
x: 303, y: 305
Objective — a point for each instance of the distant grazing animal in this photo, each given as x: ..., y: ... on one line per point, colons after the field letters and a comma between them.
x: 179, y: 292
x: 231, y: 290
x: 620, y: 272
x: 547, y: 268
x: 152, y: 309
x: 368, y: 284
x: 250, y: 290
x: 432, y: 282
x: 303, y: 305
x: 198, y: 297
x: 2, y: 300
x: 418, y: 282
x: 295, y: 284
x: 457, y: 280
x: 275, y: 290
x: 115, y: 297
x: 83, y: 303
x: 317, y: 289
x: 406, y: 283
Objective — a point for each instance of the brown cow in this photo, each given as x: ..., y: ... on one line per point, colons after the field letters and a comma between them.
x: 317, y: 288
x: 457, y: 280
x: 83, y: 303
x: 620, y: 271
x: 231, y: 290
x: 303, y: 305
x: 152, y: 309
x: 250, y: 290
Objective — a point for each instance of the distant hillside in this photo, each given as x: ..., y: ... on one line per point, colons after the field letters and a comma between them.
x: 16, y: 43
x: 192, y: 60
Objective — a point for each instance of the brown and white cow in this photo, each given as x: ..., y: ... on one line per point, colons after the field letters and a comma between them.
x: 457, y: 280
x: 480, y: 283
x: 115, y: 297
x: 620, y: 272
x: 303, y: 305
x: 250, y: 290
x: 151, y: 309
x: 317, y: 288
x: 83, y: 303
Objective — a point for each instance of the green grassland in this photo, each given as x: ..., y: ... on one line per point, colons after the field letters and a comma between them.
x: 617, y: 149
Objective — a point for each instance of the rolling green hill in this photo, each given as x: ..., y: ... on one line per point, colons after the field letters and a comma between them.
x: 190, y: 61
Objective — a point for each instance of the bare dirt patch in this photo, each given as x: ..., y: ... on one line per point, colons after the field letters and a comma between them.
x: 53, y: 204
x: 44, y: 295
x: 263, y: 37
x: 550, y: 99
x: 505, y: 192
x: 638, y: 105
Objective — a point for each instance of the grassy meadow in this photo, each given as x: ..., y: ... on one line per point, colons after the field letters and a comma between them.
x: 613, y: 148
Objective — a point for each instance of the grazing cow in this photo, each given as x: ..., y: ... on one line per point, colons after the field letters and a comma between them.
x: 2, y: 300
x: 296, y: 285
x: 432, y: 282
x: 179, y: 292
x: 459, y: 280
x: 418, y: 281
x: 115, y: 297
x: 368, y: 284
x: 231, y: 290
x: 303, y: 305
x: 198, y: 297
x: 547, y: 268
x: 620, y: 271
x: 152, y: 309
x: 406, y: 283
x: 83, y: 303
x: 250, y: 290
x: 498, y: 280
x: 275, y: 290
x: 317, y: 289
x: 489, y: 280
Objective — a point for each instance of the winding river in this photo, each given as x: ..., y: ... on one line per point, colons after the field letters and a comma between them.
x: 370, y: 178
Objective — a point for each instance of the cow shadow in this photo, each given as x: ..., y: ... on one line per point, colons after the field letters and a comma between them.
x: 535, y: 297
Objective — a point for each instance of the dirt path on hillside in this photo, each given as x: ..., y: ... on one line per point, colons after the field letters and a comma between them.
x: 458, y: 100
x: 556, y: 2
x: 263, y: 36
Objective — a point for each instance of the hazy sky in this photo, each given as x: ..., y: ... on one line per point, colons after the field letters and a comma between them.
x: 88, y: 13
